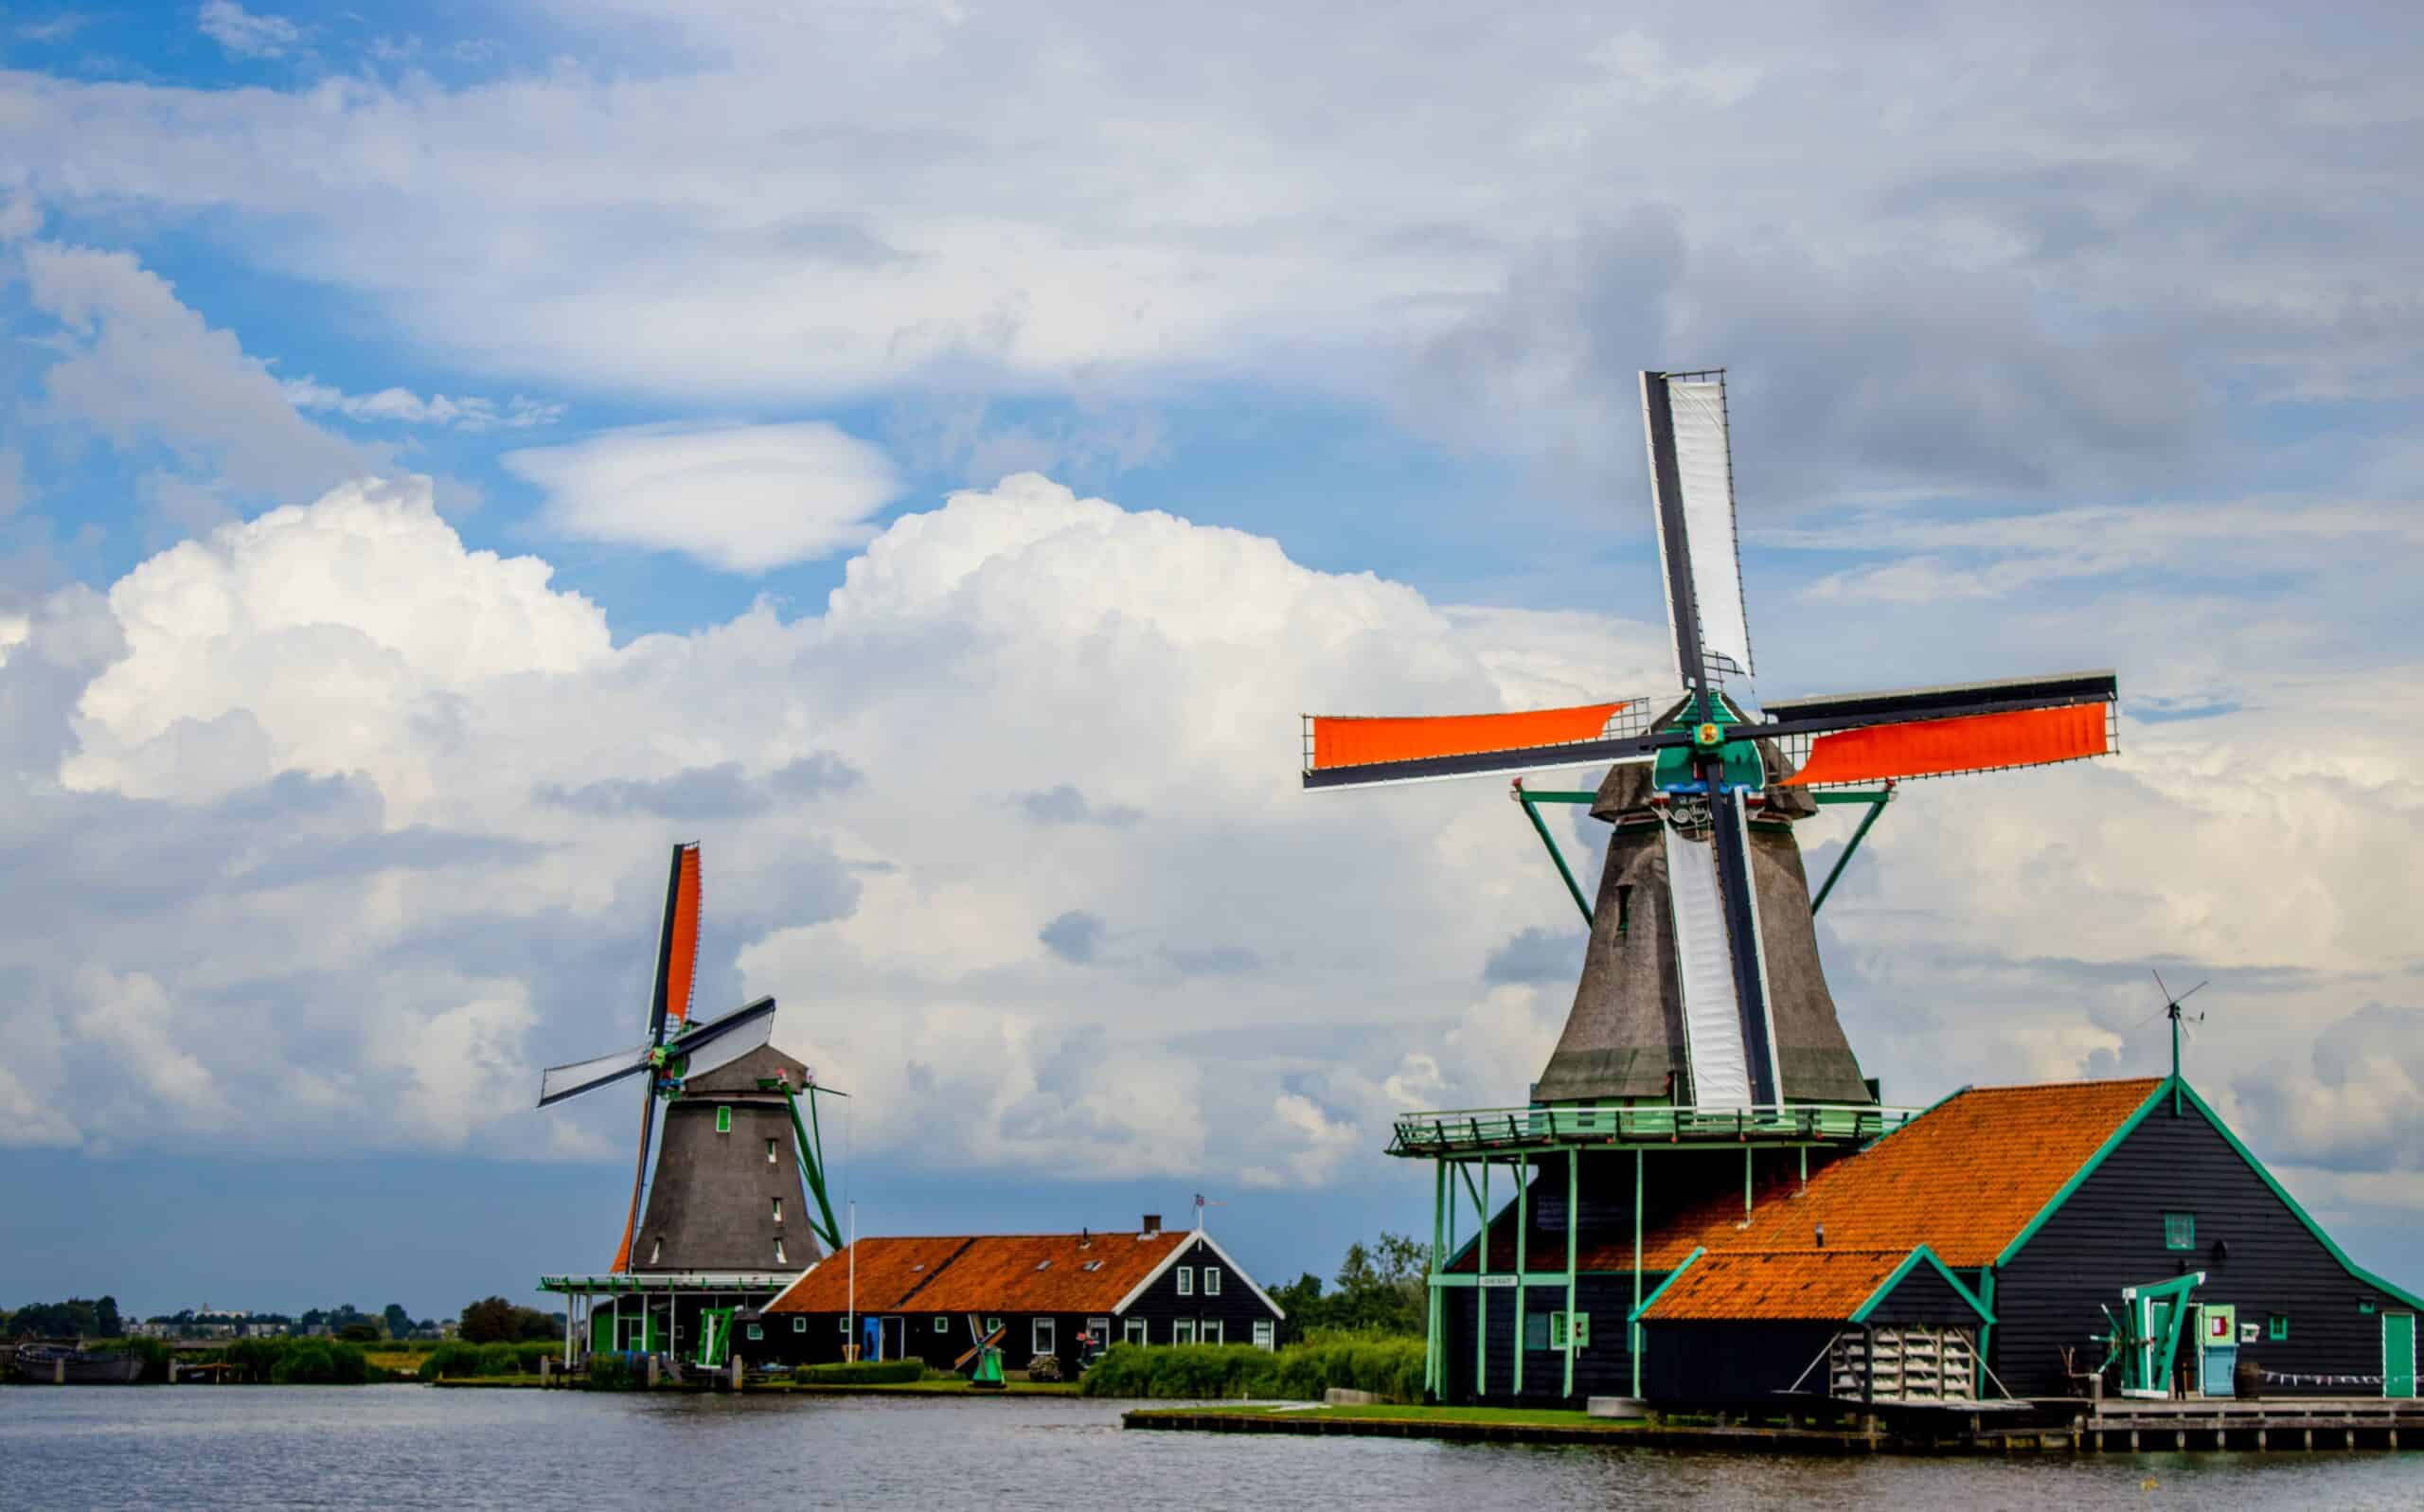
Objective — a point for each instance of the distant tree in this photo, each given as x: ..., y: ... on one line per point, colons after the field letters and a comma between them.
x: 76, y: 1317
x: 488, y: 1321
x: 400, y: 1323
x: 362, y: 1333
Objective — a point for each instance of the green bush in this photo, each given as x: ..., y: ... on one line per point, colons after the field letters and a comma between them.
x: 321, y: 1363
x: 449, y: 1359
x: 611, y: 1373
x: 1388, y: 1365
x: 861, y: 1373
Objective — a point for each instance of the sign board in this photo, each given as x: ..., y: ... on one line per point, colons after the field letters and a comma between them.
x: 1498, y: 1280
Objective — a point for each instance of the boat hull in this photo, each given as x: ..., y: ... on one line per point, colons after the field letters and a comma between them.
x: 73, y: 1368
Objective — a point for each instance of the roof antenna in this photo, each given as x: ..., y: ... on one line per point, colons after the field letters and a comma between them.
x: 2179, y: 1020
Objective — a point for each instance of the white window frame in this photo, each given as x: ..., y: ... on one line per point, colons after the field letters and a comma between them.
x: 1266, y: 1336
x: 1210, y: 1332
x: 799, y: 1325
x: 769, y: 1153
x: 1182, y: 1331
x: 1187, y: 1281
x: 1137, y: 1331
x: 942, y: 1323
x: 778, y: 1209
x: 1101, y: 1328
x: 779, y: 1253
x: 1045, y: 1335
x: 1211, y: 1280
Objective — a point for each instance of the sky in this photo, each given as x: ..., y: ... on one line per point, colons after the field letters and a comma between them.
x: 931, y: 453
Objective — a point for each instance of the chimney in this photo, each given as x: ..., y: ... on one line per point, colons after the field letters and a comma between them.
x: 1822, y: 1236
x: 1085, y: 1239
x: 1153, y: 1222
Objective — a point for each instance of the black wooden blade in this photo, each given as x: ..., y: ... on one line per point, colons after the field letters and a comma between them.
x: 1494, y: 763
x: 1743, y: 934
x: 1816, y: 716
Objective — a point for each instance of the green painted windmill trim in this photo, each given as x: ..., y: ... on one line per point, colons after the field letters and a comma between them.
x: 810, y: 1149
x: 1911, y: 1262
x: 2078, y: 1177
x: 1555, y: 854
x: 1660, y: 1290
x: 2347, y: 1264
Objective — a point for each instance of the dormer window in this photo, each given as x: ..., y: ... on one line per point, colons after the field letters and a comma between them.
x: 1043, y: 1265
x: 1092, y: 1265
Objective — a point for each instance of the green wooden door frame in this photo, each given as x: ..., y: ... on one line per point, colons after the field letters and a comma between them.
x: 2398, y: 1359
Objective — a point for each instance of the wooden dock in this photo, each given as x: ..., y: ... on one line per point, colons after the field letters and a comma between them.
x: 2289, y: 1423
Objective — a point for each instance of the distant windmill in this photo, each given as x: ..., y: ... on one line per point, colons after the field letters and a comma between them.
x: 677, y: 1053
x: 1678, y: 993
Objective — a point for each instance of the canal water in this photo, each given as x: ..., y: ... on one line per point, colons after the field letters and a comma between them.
x: 412, y: 1446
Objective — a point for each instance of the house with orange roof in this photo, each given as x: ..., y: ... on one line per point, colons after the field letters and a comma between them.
x: 936, y: 1297
x: 1975, y: 1251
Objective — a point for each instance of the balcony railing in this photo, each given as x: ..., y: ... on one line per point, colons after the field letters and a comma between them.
x: 1470, y: 1130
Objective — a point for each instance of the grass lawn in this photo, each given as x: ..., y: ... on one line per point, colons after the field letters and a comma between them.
x: 946, y: 1385
x: 1547, y: 1417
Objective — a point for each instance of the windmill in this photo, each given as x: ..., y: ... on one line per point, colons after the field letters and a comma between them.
x: 1695, y: 1003
x: 679, y: 1055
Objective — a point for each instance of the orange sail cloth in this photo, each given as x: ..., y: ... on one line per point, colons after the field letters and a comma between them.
x: 1975, y: 742
x: 1343, y: 741
x: 681, y: 957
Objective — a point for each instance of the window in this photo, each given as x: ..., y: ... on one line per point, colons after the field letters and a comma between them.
x: 2276, y: 1327
x: 1536, y: 1330
x: 723, y: 1120
x: 1043, y: 1265
x: 780, y: 1258
x: 2365, y: 1306
x: 841, y: 1325
x: 769, y: 1153
x: 1101, y: 1328
x: 1624, y: 907
x: 799, y: 1326
x: 1187, y: 1281
x: 1557, y: 1339
x: 1213, y: 1333
x: 1046, y: 1337
x: 778, y: 1209
x: 992, y: 1325
x: 1183, y: 1330
x: 1263, y: 1334
x: 1092, y: 1265
x: 1211, y: 1280
x: 942, y: 1323
x: 1569, y: 1331
x: 1134, y: 1332
x: 2180, y: 1230
x: 655, y: 1249
x: 756, y: 1332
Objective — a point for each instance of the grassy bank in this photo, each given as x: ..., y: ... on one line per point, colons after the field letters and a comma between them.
x: 1388, y: 1367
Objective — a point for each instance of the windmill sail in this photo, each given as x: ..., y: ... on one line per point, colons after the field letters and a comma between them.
x: 1704, y: 479
x: 557, y: 1082
x: 714, y: 1045
x: 677, y: 950
x: 1354, y: 750
x: 1712, y: 1013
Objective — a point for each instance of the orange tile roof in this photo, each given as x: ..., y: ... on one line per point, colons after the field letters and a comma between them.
x: 1963, y: 1180
x: 888, y: 1272
x: 990, y: 1272
x: 1817, y: 1286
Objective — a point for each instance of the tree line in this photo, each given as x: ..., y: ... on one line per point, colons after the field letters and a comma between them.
x: 1380, y: 1289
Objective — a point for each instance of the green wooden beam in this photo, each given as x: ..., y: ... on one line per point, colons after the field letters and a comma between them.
x: 1533, y: 813
x: 1876, y: 806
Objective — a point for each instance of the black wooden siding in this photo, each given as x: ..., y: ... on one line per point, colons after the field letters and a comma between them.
x: 1602, y: 1369
x: 1237, y: 1308
x: 2109, y: 1234
x: 1924, y: 1297
x: 1730, y: 1365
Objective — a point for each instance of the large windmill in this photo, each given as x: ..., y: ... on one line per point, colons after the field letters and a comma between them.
x: 1701, y: 985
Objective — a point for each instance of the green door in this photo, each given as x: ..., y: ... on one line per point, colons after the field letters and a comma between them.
x: 2399, y: 1354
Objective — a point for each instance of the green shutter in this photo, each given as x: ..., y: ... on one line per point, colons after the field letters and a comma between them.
x: 2180, y: 1230
x: 2276, y: 1327
x: 723, y: 1120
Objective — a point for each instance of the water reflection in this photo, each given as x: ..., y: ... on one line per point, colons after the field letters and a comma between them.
x: 411, y: 1447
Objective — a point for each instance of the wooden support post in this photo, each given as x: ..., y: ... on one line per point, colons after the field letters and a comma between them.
x: 1746, y: 1178
x: 2133, y: 1441
x: 651, y: 1372
x: 1633, y: 1331
x: 1481, y: 1293
x: 1573, y: 1235
x: 738, y: 1376
x: 1433, y: 1368
x: 2259, y: 1438
x: 2310, y: 1437
x: 1523, y: 1226
x: 2352, y: 1438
